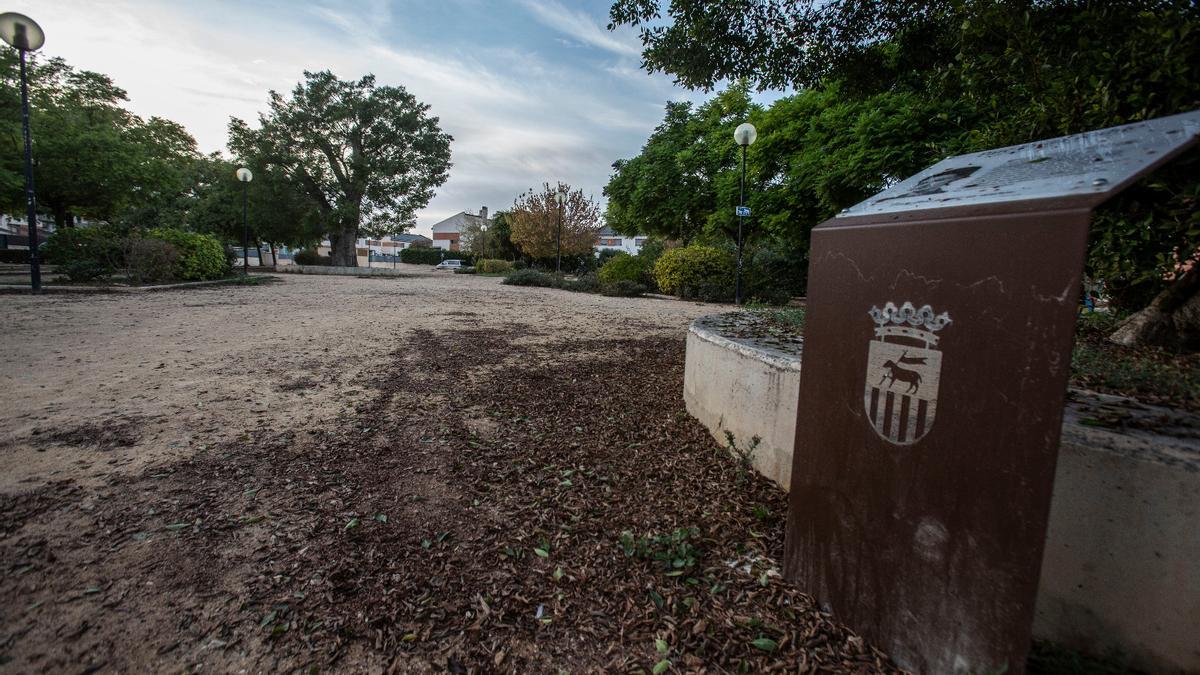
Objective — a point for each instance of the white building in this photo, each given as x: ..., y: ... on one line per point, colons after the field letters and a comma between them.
x: 447, y: 234
x: 607, y: 240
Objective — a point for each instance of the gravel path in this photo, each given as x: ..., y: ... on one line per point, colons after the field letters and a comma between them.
x: 428, y: 473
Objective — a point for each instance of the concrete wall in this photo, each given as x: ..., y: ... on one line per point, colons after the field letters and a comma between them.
x: 1122, y: 564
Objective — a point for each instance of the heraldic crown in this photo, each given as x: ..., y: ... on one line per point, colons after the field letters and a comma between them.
x: 908, y: 321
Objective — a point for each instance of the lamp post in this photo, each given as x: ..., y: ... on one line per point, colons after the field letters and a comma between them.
x: 25, y: 35
x: 744, y: 135
x: 560, y: 198
x: 484, y: 228
x: 244, y: 175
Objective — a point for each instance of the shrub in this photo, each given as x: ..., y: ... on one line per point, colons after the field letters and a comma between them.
x: 84, y: 269
x: 307, y: 257
x: 519, y: 265
x: 465, y: 270
x: 201, y: 256
x: 700, y: 272
x: 85, y: 253
x: 625, y: 267
x: 494, y: 266
x: 623, y: 288
x: 150, y: 260
x: 586, y: 283
x: 431, y: 256
x: 531, y: 278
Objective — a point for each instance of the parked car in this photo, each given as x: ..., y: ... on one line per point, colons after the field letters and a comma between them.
x: 449, y: 265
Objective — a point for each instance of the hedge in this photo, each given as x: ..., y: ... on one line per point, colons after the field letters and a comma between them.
x: 494, y: 266
x: 625, y: 267
x: 431, y: 256
x: 700, y: 272
x: 201, y: 256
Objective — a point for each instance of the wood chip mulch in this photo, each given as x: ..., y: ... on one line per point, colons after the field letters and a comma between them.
x: 507, y: 501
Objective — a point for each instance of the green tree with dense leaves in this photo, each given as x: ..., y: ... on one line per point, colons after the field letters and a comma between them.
x: 92, y: 157
x: 366, y: 156
x: 495, y: 242
x: 684, y: 183
x: 984, y: 73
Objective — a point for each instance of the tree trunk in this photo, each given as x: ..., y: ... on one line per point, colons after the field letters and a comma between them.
x: 1171, y: 320
x: 273, y: 260
x: 258, y: 249
x: 60, y: 216
x: 344, y: 246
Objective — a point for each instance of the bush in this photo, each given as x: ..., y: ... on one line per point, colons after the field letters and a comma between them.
x: 85, y: 253
x: 201, y: 256
x: 494, y: 266
x: 519, y: 265
x: 701, y: 272
x: 586, y: 283
x: 531, y: 278
x: 150, y: 260
x: 623, y: 288
x: 465, y: 270
x: 607, y: 254
x: 625, y: 267
x: 307, y: 257
x: 84, y: 269
x: 431, y: 256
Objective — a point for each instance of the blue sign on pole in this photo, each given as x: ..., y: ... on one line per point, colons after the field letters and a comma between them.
x: 743, y: 210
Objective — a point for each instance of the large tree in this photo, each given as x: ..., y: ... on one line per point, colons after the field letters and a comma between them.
x: 684, y: 183
x: 367, y: 156
x: 536, y: 219
x: 1001, y: 72
x: 92, y: 157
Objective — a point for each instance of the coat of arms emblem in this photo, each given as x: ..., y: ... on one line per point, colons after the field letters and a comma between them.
x: 904, y: 367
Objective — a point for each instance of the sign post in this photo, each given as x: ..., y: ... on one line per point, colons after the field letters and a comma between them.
x: 941, y: 315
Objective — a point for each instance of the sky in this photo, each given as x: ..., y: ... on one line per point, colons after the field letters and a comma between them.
x: 531, y: 90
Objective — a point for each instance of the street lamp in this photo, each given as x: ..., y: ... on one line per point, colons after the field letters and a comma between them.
x: 560, y: 198
x: 25, y: 35
x: 484, y: 228
x: 244, y: 175
x: 744, y: 134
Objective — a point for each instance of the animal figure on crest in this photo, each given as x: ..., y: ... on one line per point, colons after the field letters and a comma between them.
x: 897, y: 372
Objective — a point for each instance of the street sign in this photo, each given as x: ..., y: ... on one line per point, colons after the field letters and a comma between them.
x: 743, y: 210
x: 936, y: 353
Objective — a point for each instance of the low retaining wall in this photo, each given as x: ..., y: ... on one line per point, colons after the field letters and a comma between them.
x: 1122, y: 563
x: 345, y: 271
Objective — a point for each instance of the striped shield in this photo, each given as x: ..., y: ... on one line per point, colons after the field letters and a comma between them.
x: 901, y: 391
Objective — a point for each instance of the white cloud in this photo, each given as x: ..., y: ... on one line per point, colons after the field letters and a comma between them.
x: 582, y: 27
x: 518, y: 116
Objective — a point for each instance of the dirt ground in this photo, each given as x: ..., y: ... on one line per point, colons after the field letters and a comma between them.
x: 418, y: 474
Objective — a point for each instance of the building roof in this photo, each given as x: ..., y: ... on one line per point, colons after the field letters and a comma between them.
x: 458, y: 222
x: 607, y: 231
x: 409, y: 238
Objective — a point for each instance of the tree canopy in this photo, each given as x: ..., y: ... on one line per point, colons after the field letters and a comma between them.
x: 887, y: 88
x: 535, y: 217
x: 93, y: 158
x: 366, y: 156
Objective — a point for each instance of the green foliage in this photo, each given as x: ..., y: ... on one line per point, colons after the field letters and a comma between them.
x: 695, y: 272
x: 150, y: 260
x: 584, y: 283
x: 465, y: 270
x: 674, y: 553
x: 531, y: 278
x: 623, y: 288
x: 625, y: 267
x: 201, y: 256
x: 310, y: 257
x: 94, y: 157
x: 85, y: 253
x: 430, y: 256
x: 886, y: 92
x: 362, y: 154
x: 494, y: 266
